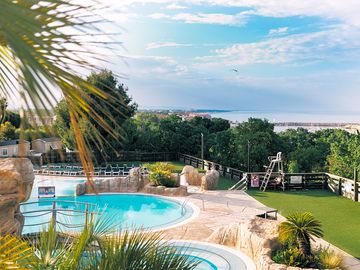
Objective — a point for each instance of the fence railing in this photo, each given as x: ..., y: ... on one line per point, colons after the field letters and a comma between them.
x: 57, y: 156
x: 231, y: 173
x: 39, y: 218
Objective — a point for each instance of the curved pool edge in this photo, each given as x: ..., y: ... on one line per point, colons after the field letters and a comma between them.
x: 195, y: 214
x: 250, y: 265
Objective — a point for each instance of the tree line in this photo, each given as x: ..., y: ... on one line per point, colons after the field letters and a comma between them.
x: 329, y: 150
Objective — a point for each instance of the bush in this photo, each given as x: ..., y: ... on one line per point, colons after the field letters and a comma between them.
x: 160, y: 174
x: 290, y: 255
x: 329, y: 259
x: 322, y: 258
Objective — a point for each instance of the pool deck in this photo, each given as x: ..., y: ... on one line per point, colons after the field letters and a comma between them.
x: 221, y: 208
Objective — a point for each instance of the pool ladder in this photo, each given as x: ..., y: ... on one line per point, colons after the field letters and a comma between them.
x: 183, y: 206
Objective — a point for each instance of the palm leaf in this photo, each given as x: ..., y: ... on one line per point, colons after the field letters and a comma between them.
x: 43, y: 46
x: 14, y: 253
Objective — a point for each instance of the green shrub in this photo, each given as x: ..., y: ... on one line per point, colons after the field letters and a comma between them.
x: 291, y: 255
x: 160, y: 174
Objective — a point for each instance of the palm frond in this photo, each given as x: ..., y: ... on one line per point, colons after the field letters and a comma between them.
x: 44, y: 45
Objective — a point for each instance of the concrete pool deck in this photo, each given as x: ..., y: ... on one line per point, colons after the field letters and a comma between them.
x: 221, y: 208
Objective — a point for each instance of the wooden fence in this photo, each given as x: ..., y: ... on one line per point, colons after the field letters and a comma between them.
x: 231, y: 173
x: 348, y: 188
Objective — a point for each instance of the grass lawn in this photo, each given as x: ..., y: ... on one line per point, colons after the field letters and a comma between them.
x: 340, y: 217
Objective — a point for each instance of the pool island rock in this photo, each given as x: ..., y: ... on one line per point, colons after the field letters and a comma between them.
x: 132, y: 183
x: 16, y: 181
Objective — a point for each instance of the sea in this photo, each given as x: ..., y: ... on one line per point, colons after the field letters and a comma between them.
x: 284, y: 120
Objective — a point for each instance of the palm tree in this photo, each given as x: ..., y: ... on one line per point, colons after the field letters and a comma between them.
x: 44, y: 45
x: 94, y: 249
x: 301, y: 228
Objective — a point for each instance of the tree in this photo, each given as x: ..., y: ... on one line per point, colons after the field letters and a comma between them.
x: 8, y: 132
x: 13, y: 117
x: 307, y: 150
x: 263, y: 143
x: 3, y: 106
x: 120, y: 107
x: 301, y: 228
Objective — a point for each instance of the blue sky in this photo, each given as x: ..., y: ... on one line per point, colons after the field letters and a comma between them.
x: 294, y: 55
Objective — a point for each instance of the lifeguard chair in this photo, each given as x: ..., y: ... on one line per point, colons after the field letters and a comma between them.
x: 274, y: 161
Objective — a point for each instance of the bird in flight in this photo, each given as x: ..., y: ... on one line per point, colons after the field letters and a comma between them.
x: 235, y: 70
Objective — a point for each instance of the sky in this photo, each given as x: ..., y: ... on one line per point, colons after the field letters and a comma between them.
x: 262, y: 55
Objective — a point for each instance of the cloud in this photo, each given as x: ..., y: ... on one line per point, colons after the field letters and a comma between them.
x: 151, y: 67
x: 347, y: 12
x: 175, y: 6
x: 278, y: 31
x: 159, y: 16
x: 156, y: 45
x: 203, y: 18
x: 339, y: 44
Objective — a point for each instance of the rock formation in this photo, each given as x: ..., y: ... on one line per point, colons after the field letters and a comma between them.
x: 257, y: 238
x: 165, y: 191
x: 192, y: 176
x: 16, y: 181
x: 210, y: 180
x: 131, y: 183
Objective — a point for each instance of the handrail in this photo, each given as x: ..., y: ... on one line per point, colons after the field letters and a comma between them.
x: 63, y: 201
x: 54, y: 211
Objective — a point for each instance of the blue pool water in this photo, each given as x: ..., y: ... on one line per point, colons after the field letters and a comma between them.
x: 214, y: 257
x: 123, y: 210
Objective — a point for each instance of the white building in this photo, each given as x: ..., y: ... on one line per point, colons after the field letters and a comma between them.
x: 12, y: 148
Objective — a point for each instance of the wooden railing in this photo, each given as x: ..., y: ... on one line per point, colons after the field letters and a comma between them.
x: 231, y: 173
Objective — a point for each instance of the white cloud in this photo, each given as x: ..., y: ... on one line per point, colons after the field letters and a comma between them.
x: 175, y: 6
x: 203, y: 18
x: 143, y: 66
x: 156, y: 45
x: 345, y: 11
x: 336, y: 44
x: 278, y: 31
x: 158, y: 16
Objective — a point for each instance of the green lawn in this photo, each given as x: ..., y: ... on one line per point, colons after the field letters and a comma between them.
x: 340, y: 217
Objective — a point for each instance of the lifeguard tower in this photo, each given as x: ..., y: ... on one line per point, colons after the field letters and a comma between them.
x: 275, y: 161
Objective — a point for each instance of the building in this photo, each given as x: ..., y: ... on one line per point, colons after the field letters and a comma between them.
x: 12, y: 148
x: 45, y: 145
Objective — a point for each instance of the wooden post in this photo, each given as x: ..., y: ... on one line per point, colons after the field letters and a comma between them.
x: 356, y: 185
x: 339, y: 187
x: 325, y: 182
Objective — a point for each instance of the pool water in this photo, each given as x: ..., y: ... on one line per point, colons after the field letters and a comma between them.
x: 214, y: 257
x: 123, y: 210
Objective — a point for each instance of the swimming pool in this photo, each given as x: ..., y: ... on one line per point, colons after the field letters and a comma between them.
x: 125, y: 210
x: 214, y: 257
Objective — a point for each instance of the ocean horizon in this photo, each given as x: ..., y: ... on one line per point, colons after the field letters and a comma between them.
x: 276, y: 117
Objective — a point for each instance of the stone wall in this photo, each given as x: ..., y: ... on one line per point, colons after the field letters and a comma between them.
x: 16, y: 181
x: 134, y: 182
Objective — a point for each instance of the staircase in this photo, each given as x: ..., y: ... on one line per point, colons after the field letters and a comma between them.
x: 273, y: 161
x: 241, y: 185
